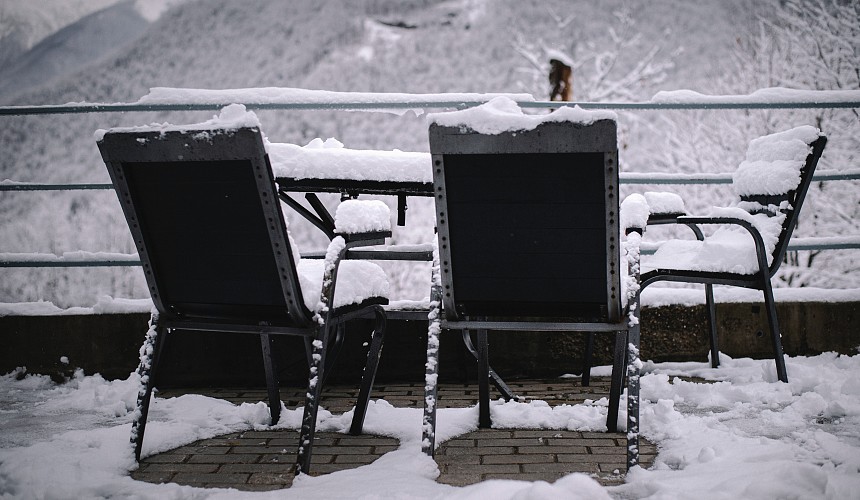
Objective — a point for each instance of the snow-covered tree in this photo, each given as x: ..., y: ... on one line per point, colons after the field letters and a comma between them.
x: 799, y: 44
x: 620, y: 66
x: 811, y: 44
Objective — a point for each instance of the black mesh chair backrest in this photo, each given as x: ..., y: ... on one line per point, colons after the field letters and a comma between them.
x: 203, y: 211
x: 788, y: 203
x: 527, y: 221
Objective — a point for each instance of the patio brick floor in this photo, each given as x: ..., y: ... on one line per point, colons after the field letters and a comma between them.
x: 263, y: 460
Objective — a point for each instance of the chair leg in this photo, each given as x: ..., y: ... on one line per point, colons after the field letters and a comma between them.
x: 711, y: 312
x: 773, y: 322
x: 431, y: 368
x: 333, y: 349
x: 618, y: 365
x: 271, y: 378
x: 495, y: 379
x: 589, y: 352
x: 484, y: 421
x: 150, y: 353
x: 312, y: 400
x: 633, y: 372
x: 376, y: 341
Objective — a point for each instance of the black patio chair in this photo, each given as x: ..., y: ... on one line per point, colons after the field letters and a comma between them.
x: 529, y: 240
x: 203, y: 209
x: 771, y: 185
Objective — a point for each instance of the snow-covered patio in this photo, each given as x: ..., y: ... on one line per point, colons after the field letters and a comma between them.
x: 743, y: 435
x: 343, y: 91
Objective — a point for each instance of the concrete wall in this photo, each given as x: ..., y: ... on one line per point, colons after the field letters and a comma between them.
x: 108, y: 344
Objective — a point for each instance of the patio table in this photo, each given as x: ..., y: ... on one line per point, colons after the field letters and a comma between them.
x: 390, y: 173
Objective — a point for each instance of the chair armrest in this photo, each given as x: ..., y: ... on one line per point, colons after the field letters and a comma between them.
x: 393, y: 252
x: 364, y: 239
x: 664, y: 207
x: 761, y: 252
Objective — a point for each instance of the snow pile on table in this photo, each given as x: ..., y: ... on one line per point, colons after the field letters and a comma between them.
x: 504, y: 115
x: 330, y: 160
x: 743, y: 436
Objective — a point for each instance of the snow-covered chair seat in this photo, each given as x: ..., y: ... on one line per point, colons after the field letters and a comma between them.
x: 753, y: 234
x: 202, y: 206
x: 529, y: 239
x: 361, y: 221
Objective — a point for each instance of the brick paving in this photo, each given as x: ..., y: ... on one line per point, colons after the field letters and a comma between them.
x: 263, y: 460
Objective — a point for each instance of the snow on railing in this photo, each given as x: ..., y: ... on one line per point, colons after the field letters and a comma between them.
x: 170, y: 99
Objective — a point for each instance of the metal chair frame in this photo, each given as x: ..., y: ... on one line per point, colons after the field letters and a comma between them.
x: 447, y: 312
x: 757, y: 281
x: 126, y: 152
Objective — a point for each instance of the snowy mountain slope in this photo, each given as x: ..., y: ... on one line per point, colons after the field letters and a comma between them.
x: 375, y: 45
x: 72, y: 48
x: 24, y: 23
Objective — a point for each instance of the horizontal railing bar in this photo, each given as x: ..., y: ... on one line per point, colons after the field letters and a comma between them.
x: 637, y: 178
x: 624, y: 178
x: 648, y: 248
x: 77, y: 108
x: 634, y: 106
x: 824, y: 243
x: 53, y: 187
x: 75, y: 263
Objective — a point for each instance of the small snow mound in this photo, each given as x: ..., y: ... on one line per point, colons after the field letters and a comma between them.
x: 151, y: 10
x: 502, y: 114
x: 634, y: 212
x: 663, y: 202
x: 330, y: 143
x: 559, y: 56
x: 773, y: 162
x: 231, y: 117
x: 361, y: 216
x: 329, y: 159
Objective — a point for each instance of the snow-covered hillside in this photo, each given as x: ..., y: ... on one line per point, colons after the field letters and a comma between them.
x: 74, y: 47
x: 374, y: 45
x: 24, y: 23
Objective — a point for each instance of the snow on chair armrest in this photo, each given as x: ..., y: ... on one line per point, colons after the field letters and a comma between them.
x: 665, y: 203
x: 634, y: 213
x: 362, y: 219
x: 664, y: 206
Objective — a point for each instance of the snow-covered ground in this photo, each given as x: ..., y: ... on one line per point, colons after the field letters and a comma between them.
x: 745, y: 435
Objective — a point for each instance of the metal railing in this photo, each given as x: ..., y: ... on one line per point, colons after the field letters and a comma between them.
x: 88, y: 259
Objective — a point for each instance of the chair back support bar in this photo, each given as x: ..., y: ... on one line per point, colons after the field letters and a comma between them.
x: 534, y: 215
x: 204, y: 214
